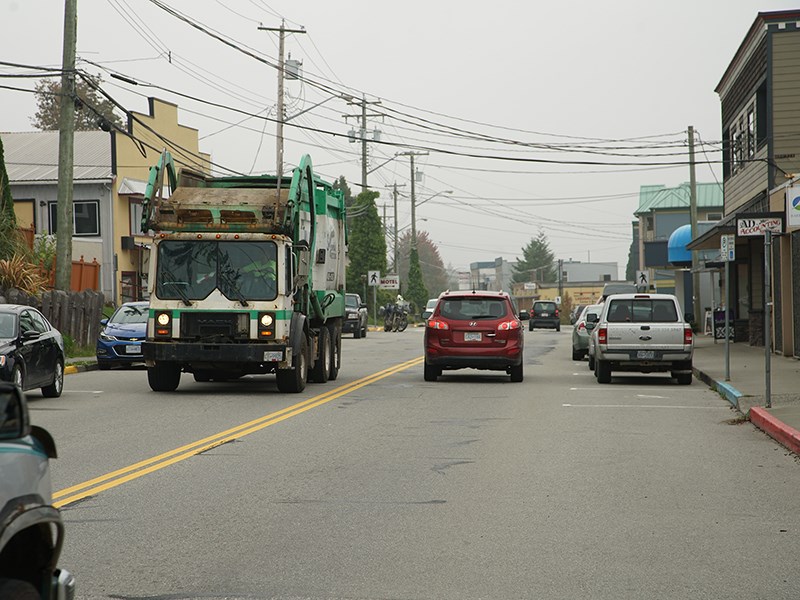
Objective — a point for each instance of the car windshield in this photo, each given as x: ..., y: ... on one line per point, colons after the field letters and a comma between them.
x: 473, y: 308
x: 191, y: 270
x: 351, y: 301
x: 7, y: 326
x: 431, y: 304
x: 130, y: 314
x: 642, y: 310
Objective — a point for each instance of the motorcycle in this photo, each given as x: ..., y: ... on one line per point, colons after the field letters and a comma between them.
x: 395, y: 317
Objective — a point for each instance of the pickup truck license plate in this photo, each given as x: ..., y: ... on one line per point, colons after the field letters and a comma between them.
x: 133, y: 349
x: 472, y: 336
x: 646, y: 354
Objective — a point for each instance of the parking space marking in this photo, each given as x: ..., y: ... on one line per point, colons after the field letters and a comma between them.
x: 682, y: 406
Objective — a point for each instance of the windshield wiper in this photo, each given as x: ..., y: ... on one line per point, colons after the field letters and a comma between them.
x: 239, y: 295
x: 175, y: 284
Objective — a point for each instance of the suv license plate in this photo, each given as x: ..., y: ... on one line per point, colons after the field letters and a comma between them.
x: 646, y: 354
x: 472, y: 336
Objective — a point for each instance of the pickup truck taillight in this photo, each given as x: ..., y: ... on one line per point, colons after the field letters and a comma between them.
x: 687, y: 335
x: 602, y: 335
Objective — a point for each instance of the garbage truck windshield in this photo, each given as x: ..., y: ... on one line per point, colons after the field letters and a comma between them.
x: 192, y: 269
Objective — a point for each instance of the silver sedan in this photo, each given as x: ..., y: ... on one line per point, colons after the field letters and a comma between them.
x: 582, y: 329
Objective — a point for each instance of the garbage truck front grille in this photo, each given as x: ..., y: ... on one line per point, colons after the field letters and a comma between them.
x: 215, y: 326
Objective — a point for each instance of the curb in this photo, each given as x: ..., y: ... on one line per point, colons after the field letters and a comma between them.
x: 776, y: 429
x: 72, y: 369
x: 727, y: 391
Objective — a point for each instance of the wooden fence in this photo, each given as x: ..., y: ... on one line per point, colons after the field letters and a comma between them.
x: 76, y: 314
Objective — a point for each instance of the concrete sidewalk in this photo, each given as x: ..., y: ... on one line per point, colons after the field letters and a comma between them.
x: 746, y: 389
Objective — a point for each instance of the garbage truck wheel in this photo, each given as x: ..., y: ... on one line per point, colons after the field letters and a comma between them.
x: 293, y: 381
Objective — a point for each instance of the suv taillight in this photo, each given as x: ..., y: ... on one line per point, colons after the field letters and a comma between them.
x: 508, y: 325
x: 602, y: 335
x: 437, y: 324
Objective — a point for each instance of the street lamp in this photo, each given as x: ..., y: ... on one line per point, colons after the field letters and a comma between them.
x: 414, y: 214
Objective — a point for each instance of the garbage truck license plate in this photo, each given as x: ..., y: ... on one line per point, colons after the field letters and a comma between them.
x: 273, y: 356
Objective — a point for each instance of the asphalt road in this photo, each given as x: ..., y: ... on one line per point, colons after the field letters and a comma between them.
x: 382, y: 486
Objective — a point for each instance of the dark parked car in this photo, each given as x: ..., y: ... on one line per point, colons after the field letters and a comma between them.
x: 31, y: 350
x: 31, y: 529
x: 473, y: 330
x: 120, y: 341
x: 545, y: 314
x: 355, y: 317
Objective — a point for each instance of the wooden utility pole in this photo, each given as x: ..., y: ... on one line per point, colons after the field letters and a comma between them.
x: 66, y: 157
x: 696, y: 303
x: 280, y: 117
x: 394, y: 254
x: 363, y: 133
x: 411, y: 155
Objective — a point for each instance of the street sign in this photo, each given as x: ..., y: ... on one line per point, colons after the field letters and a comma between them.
x: 727, y: 247
x: 373, y: 278
x: 642, y: 279
x: 390, y: 282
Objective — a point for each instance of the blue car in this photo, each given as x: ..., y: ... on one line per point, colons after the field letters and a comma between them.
x: 120, y: 342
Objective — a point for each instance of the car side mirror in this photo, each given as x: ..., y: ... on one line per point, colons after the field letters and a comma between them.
x: 592, y: 318
x: 29, y: 335
x: 688, y: 317
x: 103, y: 322
x: 362, y: 305
x: 14, y: 420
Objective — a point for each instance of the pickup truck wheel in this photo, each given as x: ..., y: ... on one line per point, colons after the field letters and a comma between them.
x: 516, y: 373
x: 364, y: 331
x: 16, y: 589
x: 357, y: 331
x: 322, y: 364
x: 683, y: 378
x: 603, y: 371
x: 293, y: 381
x: 164, y: 378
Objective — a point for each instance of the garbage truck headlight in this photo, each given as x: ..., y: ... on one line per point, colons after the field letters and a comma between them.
x: 266, y: 320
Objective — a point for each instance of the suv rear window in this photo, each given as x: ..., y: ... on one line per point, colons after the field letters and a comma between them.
x: 473, y: 308
x: 549, y: 307
x: 642, y: 310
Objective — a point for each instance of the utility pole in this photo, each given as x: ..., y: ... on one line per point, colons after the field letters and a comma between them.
x: 363, y: 133
x: 698, y: 315
x: 394, y: 255
x: 66, y: 157
x: 412, y: 154
x: 280, y: 117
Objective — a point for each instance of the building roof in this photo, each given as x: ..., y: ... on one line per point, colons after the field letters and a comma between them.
x: 659, y: 197
x: 32, y: 157
x: 755, y: 32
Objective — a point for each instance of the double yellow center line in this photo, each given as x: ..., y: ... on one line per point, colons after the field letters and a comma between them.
x: 105, y: 482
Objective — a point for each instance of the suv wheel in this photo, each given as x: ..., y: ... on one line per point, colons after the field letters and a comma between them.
x: 432, y: 373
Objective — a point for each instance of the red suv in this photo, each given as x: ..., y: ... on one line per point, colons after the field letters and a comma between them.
x: 473, y: 330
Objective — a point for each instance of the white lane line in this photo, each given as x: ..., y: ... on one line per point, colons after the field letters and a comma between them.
x: 656, y: 397
x: 642, y: 406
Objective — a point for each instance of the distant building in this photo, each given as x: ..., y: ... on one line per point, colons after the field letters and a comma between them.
x: 491, y: 275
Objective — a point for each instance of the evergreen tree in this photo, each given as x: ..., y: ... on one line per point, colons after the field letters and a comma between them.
x: 416, y: 292
x: 537, y: 262
x: 434, y: 275
x: 366, y: 244
x: 48, y: 102
x: 9, y: 238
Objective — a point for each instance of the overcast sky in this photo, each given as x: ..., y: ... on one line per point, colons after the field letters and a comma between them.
x: 481, y: 86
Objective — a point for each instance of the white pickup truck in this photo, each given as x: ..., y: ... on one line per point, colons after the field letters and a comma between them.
x: 644, y: 333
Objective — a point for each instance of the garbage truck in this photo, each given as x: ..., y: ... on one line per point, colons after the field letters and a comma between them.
x: 246, y: 276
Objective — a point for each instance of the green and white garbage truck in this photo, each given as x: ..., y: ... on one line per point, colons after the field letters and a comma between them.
x: 247, y: 276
